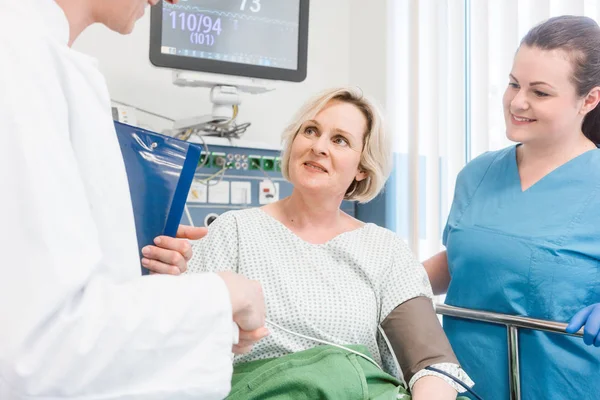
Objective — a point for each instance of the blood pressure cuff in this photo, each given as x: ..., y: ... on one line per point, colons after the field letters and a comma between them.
x: 416, y: 336
x: 160, y: 171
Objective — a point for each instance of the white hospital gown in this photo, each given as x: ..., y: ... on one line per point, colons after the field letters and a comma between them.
x: 339, y: 291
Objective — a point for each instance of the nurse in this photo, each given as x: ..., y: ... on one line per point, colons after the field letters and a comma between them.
x: 76, y: 319
x: 523, y: 233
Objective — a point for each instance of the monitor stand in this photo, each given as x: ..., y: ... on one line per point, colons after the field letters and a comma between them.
x: 224, y: 94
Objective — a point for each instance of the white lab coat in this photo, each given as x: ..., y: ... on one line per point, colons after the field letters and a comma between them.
x: 76, y: 319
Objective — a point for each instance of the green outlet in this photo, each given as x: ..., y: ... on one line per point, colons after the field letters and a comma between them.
x: 203, y: 160
x: 218, y: 161
x: 254, y: 163
x: 268, y: 164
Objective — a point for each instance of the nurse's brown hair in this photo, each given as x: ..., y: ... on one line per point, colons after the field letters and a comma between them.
x: 579, y: 37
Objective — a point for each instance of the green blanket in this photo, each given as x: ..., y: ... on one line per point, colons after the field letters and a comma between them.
x: 323, y: 372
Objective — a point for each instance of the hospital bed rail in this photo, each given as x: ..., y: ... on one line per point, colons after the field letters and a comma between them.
x: 512, y: 323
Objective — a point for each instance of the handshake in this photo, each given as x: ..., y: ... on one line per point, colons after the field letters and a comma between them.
x: 248, y: 305
x: 171, y: 255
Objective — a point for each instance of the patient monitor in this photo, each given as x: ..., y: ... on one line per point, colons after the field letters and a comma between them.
x: 230, y: 46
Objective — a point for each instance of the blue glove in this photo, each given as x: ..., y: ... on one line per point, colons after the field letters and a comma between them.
x: 590, y: 317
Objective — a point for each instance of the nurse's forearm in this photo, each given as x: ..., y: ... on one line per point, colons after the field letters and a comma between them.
x: 432, y: 388
x: 437, y: 271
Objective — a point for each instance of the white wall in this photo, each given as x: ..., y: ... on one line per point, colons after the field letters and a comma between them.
x: 132, y: 79
x: 369, y: 47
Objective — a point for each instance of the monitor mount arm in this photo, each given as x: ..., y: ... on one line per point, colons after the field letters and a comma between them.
x: 224, y: 94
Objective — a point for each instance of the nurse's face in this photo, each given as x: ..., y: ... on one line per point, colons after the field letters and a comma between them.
x: 121, y: 15
x: 326, y: 152
x: 540, y: 103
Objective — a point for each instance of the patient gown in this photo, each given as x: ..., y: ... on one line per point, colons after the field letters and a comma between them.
x: 532, y: 253
x: 339, y: 291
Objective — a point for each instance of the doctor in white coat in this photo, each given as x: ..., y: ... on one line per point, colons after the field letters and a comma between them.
x: 76, y: 319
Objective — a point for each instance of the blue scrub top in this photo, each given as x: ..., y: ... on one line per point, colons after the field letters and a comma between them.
x: 534, y: 253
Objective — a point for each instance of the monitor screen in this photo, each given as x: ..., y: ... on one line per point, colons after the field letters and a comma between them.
x: 253, y: 38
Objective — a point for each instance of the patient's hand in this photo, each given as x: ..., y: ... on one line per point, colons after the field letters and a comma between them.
x: 170, y: 255
x: 249, y: 339
x: 248, y: 309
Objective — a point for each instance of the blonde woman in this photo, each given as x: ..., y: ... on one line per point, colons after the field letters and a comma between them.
x: 325, y: 274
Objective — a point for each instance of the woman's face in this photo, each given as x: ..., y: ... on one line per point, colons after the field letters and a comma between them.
x: 540, y: 103
x: 326, y: 151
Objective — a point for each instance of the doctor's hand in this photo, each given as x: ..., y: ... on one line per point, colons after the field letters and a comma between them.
x: 590, y: 318
x: 170, y: 255
x: 248, y: 307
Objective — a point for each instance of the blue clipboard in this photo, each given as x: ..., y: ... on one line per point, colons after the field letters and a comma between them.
x: 160, y: 170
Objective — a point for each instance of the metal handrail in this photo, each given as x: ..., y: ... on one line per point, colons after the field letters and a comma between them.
x: 505, y: 319
x: 512, y: 323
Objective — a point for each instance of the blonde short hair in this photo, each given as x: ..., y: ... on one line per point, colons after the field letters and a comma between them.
x: 376, y: 155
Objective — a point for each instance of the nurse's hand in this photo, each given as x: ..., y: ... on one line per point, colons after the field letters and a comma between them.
x: 170, y: 255
x: 590, y: 318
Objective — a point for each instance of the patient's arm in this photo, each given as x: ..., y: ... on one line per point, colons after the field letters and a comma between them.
x: 418, y: 341
x: 415, y: 334
x: 432, y: 388
x: 216, y: 251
